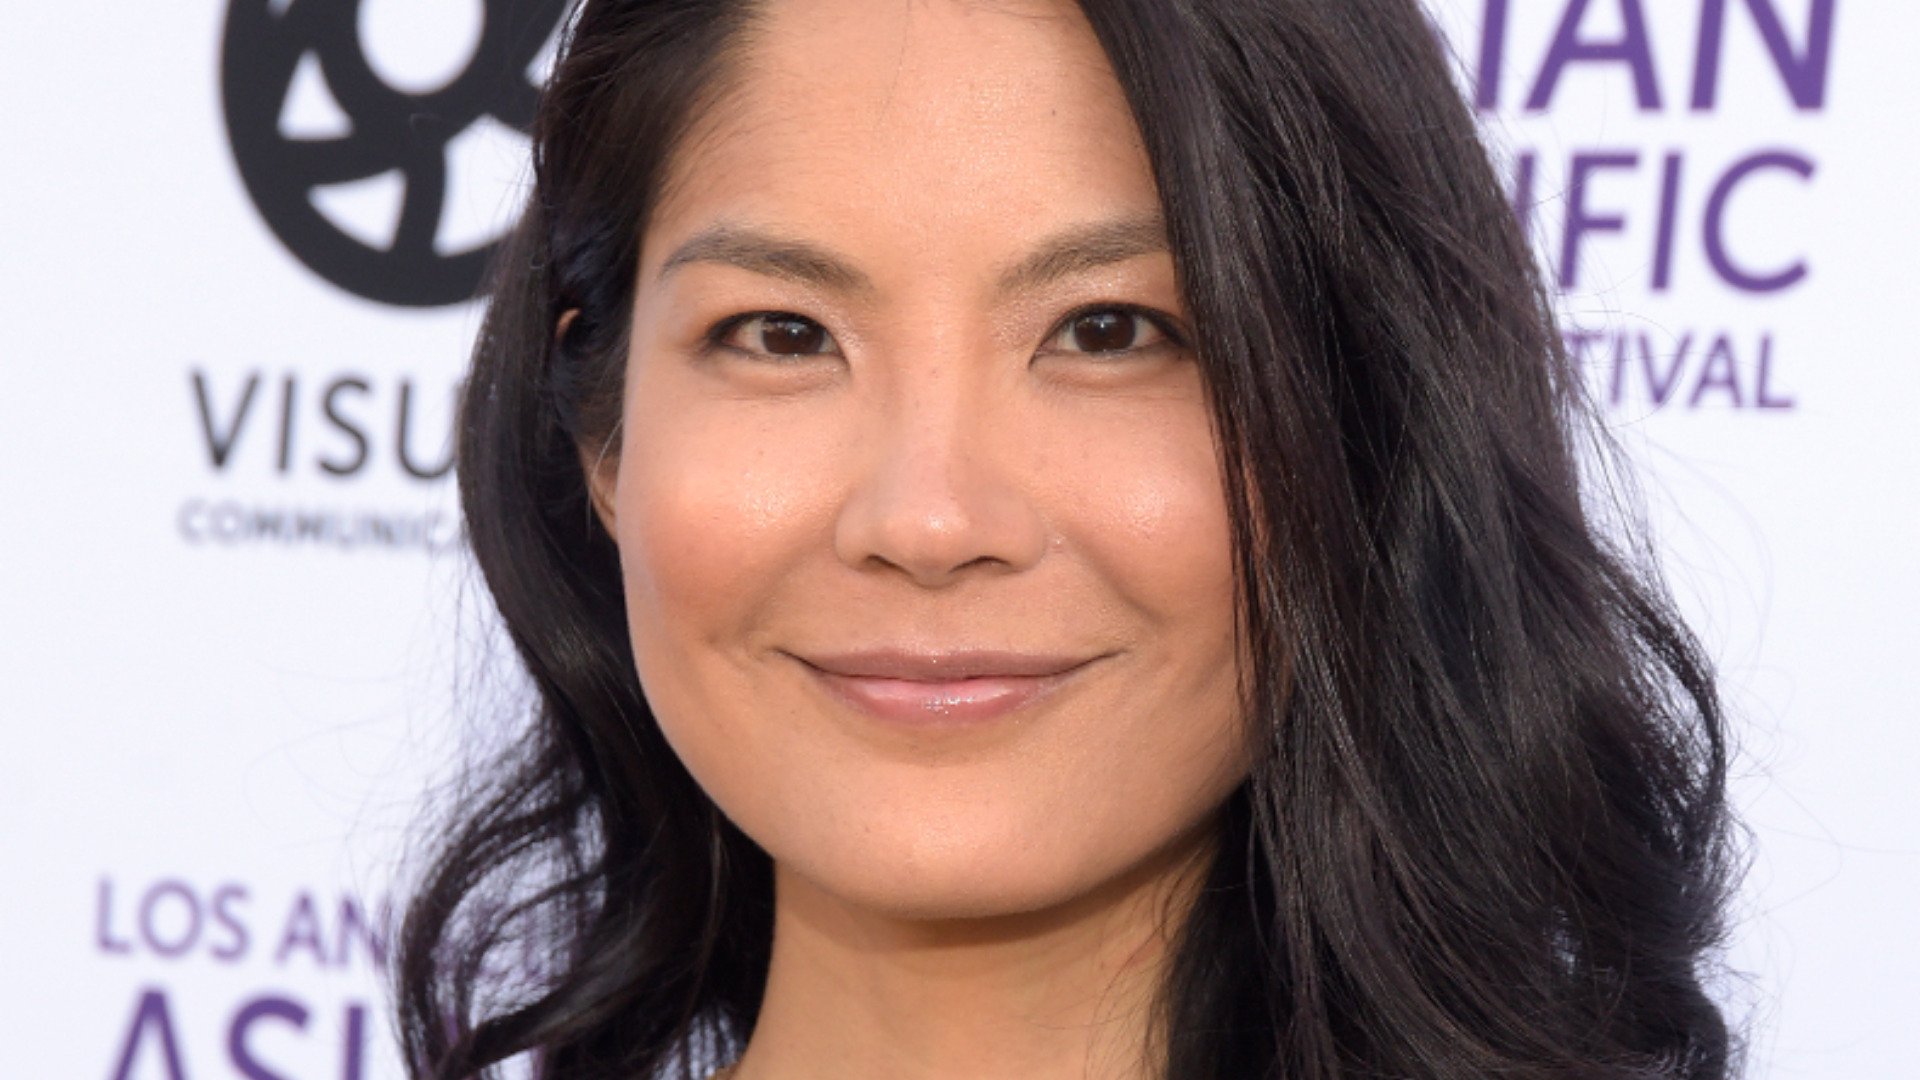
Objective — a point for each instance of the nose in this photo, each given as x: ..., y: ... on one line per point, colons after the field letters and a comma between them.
x: 944, y: 492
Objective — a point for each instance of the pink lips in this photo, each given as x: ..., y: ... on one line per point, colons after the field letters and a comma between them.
x: 939, y: 689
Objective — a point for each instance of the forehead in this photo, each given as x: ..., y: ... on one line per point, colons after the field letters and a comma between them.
x: 920, y: 123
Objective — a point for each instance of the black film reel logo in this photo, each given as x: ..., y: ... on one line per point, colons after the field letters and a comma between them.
x: 390, y: 129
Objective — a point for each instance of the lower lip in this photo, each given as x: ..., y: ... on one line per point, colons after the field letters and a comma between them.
x: 941, y: 704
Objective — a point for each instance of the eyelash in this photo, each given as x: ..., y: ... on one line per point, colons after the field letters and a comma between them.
x: 1165, y: 325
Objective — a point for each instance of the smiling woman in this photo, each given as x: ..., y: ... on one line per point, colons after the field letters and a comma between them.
x: 1050, y: 543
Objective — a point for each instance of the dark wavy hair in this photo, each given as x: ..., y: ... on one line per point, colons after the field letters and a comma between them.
x: 1485, y: 831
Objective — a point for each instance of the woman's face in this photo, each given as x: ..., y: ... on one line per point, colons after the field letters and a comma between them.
x: 917, y: 499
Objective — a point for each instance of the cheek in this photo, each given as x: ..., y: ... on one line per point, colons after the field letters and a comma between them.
x: 1143, y: 507
x: 715, y: 510
x: 1142, y: 503
x: 1163, y: 541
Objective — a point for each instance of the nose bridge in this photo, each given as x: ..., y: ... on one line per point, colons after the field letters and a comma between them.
x: 942, y: 487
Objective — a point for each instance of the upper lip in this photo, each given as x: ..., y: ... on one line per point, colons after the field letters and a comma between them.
x: 942, y: 665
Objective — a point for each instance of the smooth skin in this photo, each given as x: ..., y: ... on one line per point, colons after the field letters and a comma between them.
x: 908, y: 371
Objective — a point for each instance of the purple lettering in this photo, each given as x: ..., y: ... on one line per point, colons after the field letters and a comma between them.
x: 1717, y: 254
x: 302, y: 932
x: 1763, y: 397
x: 275, y: 1008
x: 1669, y: 214
x: 1661, y: 384
x: 151, y: 925
x: 1717, y: 373
x: 1493, y: 49
x: 1804, y: 75
x: 104, y: 938
x: 1579, y: 221
x: 151, y: 1015
x: 353, y: 1050
x: 1635, y: 49
x: 235, y: 947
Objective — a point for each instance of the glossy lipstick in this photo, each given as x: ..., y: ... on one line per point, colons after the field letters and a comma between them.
x: 937, y: 689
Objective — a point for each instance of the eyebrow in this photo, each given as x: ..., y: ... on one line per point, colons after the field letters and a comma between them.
x: 1074, y: 250
x: 764, y: 253
x: 1082, y: 248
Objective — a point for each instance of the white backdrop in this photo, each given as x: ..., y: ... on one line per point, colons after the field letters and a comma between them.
x: 234, y: 602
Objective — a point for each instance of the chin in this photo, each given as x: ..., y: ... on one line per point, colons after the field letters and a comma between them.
x: 950, y: 897
x: 944, y: 874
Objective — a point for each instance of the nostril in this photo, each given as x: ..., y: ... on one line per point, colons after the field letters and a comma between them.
x: 935, y: 539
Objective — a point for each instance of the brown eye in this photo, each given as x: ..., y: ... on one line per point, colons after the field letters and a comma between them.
x: 779, y: 334
x: 1108, y: 330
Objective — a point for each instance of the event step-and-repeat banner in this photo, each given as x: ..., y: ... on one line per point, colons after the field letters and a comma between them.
x: 239, y: 243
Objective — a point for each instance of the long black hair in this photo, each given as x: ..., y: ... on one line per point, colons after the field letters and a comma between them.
x: 1485, y: 831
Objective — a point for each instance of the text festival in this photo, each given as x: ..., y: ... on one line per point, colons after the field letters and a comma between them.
x: 1696, y: 368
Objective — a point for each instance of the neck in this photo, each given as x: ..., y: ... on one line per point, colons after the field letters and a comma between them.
x: 1068, y: 992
